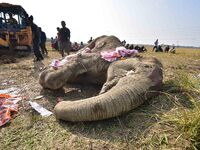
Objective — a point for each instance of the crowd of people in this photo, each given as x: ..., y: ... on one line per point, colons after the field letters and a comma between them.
x: 140, y: 49
x: 63, y: 45
x: 61, y: 42
x: 75, y: 46
x: 156, y: 47
x: 167, y: 48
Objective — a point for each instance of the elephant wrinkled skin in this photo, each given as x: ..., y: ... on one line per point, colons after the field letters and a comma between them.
x: 127, y: 83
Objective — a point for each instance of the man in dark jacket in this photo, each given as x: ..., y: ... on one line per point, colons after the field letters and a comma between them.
x: 64, y: 34
x: 43, y: 39
x: 35, y: 39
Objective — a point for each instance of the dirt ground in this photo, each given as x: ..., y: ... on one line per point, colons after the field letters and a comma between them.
x: 23, y: 72
x: 28, y: 130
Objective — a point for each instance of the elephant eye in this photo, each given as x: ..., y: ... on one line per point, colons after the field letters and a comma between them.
x: 147, y: 66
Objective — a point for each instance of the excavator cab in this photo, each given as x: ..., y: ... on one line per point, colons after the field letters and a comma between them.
x: 15, y: 31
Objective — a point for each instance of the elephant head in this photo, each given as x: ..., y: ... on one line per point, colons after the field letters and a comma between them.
x: 127, y: 83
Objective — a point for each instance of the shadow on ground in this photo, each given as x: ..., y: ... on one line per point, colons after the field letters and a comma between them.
x: 128, y: 127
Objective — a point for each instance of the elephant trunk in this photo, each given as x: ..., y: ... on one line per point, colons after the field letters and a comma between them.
x: 118, y: 100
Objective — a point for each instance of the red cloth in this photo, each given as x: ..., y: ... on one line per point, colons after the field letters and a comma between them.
x: 7, y: 106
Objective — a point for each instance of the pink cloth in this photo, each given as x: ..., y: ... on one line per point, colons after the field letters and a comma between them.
x: 56, y: 63
x: 119, y: 52
x: 108, y: 56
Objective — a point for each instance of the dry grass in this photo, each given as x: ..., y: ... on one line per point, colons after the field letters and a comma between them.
x: 161, y: 123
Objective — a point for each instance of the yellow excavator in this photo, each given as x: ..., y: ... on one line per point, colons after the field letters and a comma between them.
x: 15, y: 31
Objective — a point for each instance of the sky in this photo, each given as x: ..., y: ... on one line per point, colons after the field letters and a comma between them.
x: 136, y: 21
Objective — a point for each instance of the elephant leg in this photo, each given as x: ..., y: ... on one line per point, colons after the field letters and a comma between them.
x: 116, y: 71
x: 112, y: 78
x: 108, y: 85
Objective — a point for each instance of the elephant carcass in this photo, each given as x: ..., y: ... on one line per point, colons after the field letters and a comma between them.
x: 128, y: 84
x: 82, y: 67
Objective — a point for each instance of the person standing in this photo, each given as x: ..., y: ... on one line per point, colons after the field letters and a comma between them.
x: 90, y: 40
x: 43, y: 39
x: 173, y: 50
x: 155, y: 45
x: 64, y: 34
x: 124, y: 43
x: 35, y: 39
x: 58, y: 38
x: 81, y: 45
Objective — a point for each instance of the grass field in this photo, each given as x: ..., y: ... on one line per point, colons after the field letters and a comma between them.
x: 169, y: 121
